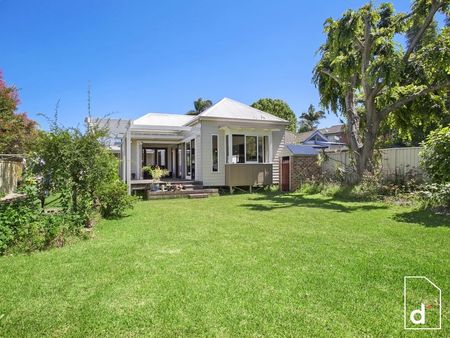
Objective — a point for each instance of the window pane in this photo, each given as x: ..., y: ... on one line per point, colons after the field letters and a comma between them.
x: 188, y: 158
x: 238, y: 149
x: 266, y: 150
x: 215, y: 155
x: 227, y: 147
x: 260, y: 150
x: 251, y: 149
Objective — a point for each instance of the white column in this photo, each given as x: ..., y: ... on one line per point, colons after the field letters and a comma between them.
x: 128, y: 156
x: 138, y: 159
x: 123, y: 156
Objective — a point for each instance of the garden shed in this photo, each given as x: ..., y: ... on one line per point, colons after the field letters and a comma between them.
x: 298, y: 162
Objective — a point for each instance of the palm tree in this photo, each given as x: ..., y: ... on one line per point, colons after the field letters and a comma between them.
x: 200, y: 105
x: 310, y: 119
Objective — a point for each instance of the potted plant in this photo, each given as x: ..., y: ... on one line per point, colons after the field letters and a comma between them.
x: 156, y: 173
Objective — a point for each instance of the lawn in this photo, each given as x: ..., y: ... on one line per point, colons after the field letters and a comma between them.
x: 248, y: 265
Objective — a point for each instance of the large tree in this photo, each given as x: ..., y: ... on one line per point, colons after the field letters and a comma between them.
x: 199, y: 106
x: 309, y: 120
x: 365, y: 73
x: 278, y: 108
x: 17, y: 131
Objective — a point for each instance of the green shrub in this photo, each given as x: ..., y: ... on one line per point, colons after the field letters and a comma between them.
x: 113, y: 199
x: 435, y: 155
x: 311, y: 187
x: 436, y: 196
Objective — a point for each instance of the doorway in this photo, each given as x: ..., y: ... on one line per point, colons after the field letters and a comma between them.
x: 285, y: 174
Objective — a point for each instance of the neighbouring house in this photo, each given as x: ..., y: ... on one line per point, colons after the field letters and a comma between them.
x: 335, y: 133
x: 229, y: 144
x: 315, y: 138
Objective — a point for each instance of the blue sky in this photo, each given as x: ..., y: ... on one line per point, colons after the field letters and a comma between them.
x: 159, y: 56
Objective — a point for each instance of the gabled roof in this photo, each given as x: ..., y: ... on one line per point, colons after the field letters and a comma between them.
x: 309, y: 135
x: 158, y: 119
x: 338, y: 128
x: 231, y: 109
x: 302, y: 149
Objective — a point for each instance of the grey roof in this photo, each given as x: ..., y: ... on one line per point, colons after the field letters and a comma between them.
x: 302, y: 149
x: 338, y: 128
x: 228, y: 108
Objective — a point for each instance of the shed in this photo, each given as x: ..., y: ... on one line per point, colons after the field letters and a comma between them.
x: 298, y: 162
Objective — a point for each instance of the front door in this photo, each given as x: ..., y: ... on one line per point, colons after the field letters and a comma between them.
x: 285, y: 174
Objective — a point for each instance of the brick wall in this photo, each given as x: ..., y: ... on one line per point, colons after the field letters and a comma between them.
x: 302, y: 168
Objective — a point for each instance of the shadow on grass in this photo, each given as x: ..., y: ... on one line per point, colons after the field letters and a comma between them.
x: 280, y: 201
x: 425, y: 218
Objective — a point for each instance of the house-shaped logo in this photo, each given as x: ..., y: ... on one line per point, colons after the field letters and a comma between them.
x: 422, y: 304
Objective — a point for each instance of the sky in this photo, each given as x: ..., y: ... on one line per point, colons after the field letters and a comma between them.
x: 159, y: 56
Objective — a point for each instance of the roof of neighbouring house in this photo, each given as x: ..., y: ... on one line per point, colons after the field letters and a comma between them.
x: 338, y: 128
x: 231, y: 109
x: 303, y: 149
x: 159, y: 119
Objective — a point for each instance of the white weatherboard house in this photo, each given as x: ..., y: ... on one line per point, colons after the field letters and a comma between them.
x: 229, y: 144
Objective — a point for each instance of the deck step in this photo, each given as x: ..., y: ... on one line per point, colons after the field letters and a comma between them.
x: 198, y: 193
x: 201, y: 195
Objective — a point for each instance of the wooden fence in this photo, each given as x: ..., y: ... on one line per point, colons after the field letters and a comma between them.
x: 395, y: 162
x: 10, y: 173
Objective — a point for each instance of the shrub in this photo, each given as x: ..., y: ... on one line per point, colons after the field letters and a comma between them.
x: 435, y: 155
x: 436, y: 196
x: 113, y: 199
x: 311, y: 187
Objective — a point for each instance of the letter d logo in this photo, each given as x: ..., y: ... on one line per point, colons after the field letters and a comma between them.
x: 421, y: 313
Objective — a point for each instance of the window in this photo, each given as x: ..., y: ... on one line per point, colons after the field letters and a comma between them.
x: 266, y: 158
x: 251, y: 154
x: 260, y: 150
x: 238, y: 149
x: 188, y: 159
x: 227, y: 147
x: 215, y: 154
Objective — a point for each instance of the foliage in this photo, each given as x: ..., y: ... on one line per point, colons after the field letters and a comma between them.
x: 25, y: 228
x: 369, y: 77
x: 200, y: 105
x: 155, y: 172
x: 278, y: 108
x: 309, y: 120
x: 436, y: 196
x: 435, y: 155
x: 114, y: 200
x: 17, y: 131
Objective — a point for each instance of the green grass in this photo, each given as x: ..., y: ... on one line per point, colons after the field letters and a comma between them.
x: 241, y: 265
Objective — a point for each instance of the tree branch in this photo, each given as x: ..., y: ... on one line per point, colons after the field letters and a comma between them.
x: 412, y: 97
x: 334, y: 77
x: 435, y: 5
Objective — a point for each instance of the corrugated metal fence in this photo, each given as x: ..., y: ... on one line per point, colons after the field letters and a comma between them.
x: 395, y: 162
x: 10, y: 173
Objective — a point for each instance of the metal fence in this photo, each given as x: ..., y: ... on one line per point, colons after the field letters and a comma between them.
x: 10, y: 173
x: 395, y: 162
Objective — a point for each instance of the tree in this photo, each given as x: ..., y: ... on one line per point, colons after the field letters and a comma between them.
x: 200, y: 105
x: 17, y: 131
x: 365, y: 74
x: 309, y: 120
x: 435, y: 155
x: 278, y: 108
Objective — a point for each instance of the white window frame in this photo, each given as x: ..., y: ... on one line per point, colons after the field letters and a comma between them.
x: 218, y: 153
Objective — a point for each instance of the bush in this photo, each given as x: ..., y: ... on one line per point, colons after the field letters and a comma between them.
x: 113, y: 199
x: 435, y: 155
x: 436, y: 196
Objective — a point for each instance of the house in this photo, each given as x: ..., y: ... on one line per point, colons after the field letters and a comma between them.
x: 335, y: 133
x: 229, y: 144
x: 317, y: 138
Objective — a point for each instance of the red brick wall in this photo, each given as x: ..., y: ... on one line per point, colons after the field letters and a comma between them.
x: 302, y: 168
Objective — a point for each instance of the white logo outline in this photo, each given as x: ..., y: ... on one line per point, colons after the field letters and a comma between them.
x: 404, y: 304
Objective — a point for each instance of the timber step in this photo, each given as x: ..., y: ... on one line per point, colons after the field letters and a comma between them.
x: 198, y: 193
